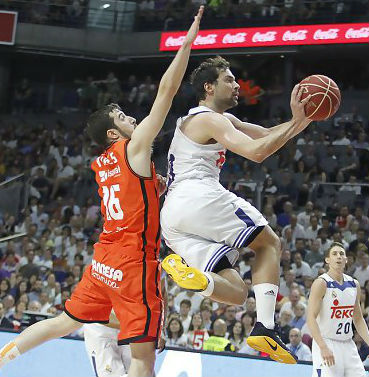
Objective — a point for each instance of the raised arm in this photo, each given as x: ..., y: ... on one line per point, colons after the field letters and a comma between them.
x: 256, y: 131
x: 145, y: 133
x: 317, y: 292
x: 358, y: 319
x: 257, y: 149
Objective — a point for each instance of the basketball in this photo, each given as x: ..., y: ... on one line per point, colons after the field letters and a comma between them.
x: 325, y: 97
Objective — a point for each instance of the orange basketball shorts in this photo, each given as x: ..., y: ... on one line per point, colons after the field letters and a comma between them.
x: 127, y: 281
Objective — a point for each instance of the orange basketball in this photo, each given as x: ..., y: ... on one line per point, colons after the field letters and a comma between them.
x: 325, y: 97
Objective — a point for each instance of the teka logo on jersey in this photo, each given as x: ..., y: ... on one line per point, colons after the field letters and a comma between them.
x: 105, y: 174
x: 108, y: 275
x: 357, y: 33
x: 299, y: 35
x: 234, y: 38
x: 269, y: 36
x: 341, y: 312
x: 326, y: 34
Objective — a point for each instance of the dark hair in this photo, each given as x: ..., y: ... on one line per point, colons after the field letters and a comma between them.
x: 242, y: 335
x: 191, y: 328
x: 186, y: 302
x: 99, y: 122
x: 328, y: 251
x: 207, y: 72
x: 180, y: 332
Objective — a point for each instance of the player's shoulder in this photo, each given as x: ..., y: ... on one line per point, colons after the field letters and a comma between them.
x: 210, y: 116
x: 320, y: 283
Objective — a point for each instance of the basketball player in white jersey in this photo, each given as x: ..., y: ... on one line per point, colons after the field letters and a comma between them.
x: 204, y: 223
x: 106, y: 357
x: 334, y: 306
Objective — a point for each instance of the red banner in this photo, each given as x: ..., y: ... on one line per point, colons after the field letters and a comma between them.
x: 8, y: 24
x: 270, y: 36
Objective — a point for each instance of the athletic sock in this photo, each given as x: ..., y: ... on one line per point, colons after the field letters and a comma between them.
x: 8, y: 353
x: 265, y: 296
x: 208, y: 291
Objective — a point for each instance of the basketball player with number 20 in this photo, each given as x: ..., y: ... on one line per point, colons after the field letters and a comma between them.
x: 334, y: 305
x: 125, y: 270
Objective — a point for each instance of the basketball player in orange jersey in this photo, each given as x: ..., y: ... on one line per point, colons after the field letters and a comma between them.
x: 334, y: 306
x: 125, y: 271
x: 204, y: 223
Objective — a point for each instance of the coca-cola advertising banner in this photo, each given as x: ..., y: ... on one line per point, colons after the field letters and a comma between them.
x: 270, y: 36
x: 8, y: 24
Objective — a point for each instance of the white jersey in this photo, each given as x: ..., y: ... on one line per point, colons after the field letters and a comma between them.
x: 335, y: 317
x: 190, y: 160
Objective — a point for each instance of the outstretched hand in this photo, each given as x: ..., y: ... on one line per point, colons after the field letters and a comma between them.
x: 298, y: 105
x: 194, y: 29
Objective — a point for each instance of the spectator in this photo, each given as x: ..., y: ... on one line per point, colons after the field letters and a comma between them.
x: 194, y: 297
x: 297, y: 229
x: 300, y: 268
x: 175, y: 335
x: 293, y: 299
x: 303, y: 218
x: 9, y: 305
x: 230, y: 317
x: 206, y: 317
x: 4, y: 288
x: 237, y: 336
x: 283, y: 218
x: 299, y: 318
x: 362, y: 347
x: 314, y: 255
x: 248, y: 321
x: 63, y: 178
x: 299, y: 349
x: 218, y: 342
x: 312, y: 231
x: 285, y: 264
x: 197, y: 333
x: 300, y: 247
x: 362, y: 272
x: 184, y: 314
x: 4, y: 322
x: 285, y: 318
x: 286, y: 282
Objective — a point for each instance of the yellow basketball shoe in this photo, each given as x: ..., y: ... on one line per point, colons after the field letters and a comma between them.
x: 189, y: 278
x: 268, y: 341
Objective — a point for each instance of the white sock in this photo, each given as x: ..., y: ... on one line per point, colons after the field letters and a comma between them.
x: 265, y: 296
x: 8, y: 353
x: 210, y: 288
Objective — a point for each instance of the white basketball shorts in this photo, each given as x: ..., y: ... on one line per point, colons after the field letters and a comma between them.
x: 202, y: 221
x: 346, y: 356
x: 106, y: 357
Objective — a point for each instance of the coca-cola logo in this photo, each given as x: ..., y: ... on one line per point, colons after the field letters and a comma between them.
x: 174, y: 42
x: 326, y: 34
x: 357, y: 33
x: 209, y: 39
x: 340, y: 312
x: 234, y: 38
x: 299, y: 35
x: 269, y: 36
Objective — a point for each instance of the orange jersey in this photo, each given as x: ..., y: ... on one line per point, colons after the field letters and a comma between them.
x: 130, y: 203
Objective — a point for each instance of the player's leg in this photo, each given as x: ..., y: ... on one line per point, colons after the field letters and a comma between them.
x: 353, y: 365
x: 103, y: 351
x: 142, y: 359
x: 336, y: 370
x: 37, y: 334
x: 138, y: 307
x: 210, y: 272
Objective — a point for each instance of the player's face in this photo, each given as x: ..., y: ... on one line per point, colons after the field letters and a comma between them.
x: 124, y: 123
x: 226, y: 90
x: 337, y: 258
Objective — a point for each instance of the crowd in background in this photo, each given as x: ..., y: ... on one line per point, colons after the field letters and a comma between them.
x: 175, y: 14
